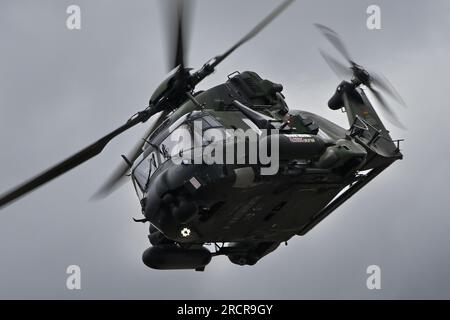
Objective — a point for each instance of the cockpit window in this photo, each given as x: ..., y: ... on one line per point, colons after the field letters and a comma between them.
x: 145, y: 169
x: 173, y: 141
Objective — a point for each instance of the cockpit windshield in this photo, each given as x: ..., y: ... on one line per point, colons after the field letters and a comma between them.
x: 183, y: 135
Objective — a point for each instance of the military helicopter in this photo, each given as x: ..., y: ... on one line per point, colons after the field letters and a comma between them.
x: 200, y: 210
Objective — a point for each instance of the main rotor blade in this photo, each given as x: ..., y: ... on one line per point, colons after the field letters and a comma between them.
x: 254, y: 31
x: 343, y: 72
x: 336, y: 41
x: 392, y: 117
x: 384, y: 84
x: 177, y: 25
x: 71, y: 162
x: 117, y: 178
x: 179, y: 51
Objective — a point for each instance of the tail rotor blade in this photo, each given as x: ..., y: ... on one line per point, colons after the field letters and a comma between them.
x: 342, y: 71
x: 336, y: 41
x: 391, y: 116
x: 384, y: 84
x: 359, y: 75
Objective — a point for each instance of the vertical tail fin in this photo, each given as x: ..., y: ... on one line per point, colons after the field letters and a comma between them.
x: 365, y: 124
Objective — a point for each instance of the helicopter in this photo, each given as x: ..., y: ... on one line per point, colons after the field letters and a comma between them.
x: 245, y: 207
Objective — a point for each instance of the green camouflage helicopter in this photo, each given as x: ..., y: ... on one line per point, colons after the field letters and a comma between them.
x: 231, y: 170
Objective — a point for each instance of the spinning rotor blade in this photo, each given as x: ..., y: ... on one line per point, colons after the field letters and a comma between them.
x: 342, y: 71
x: 117, y: 178
x: 179, y: 51
x: 392, y: 117
x: 253, y: 32
x: 177, y: 19
x: 336, y: 41
x: 359, y: 75
x: 73, y: 161
x: 384, y: 84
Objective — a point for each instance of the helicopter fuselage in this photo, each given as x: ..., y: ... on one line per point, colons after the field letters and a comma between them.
x: 190, y: 203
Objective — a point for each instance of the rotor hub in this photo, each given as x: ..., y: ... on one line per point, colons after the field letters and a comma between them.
x: 360, y: 76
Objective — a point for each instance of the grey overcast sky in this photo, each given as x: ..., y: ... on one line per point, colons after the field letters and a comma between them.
x: 61, y: 89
